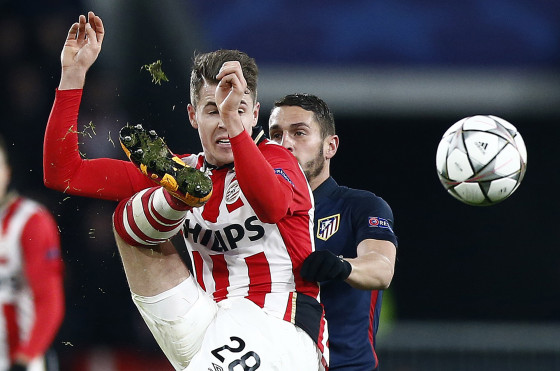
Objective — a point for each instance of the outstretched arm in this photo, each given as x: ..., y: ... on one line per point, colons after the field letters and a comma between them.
x: 270, y: 194
x: 63, y: 167
x: 81, y: 49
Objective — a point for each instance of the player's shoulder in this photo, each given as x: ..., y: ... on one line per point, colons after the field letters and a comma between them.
x: 361, y: 199
x: 357, y: 194
x: 35, y: 206
x: 31, y: 210
x: 19, y: 202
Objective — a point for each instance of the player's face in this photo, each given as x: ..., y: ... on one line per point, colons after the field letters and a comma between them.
x: 213, y: 134
x: 4, y: 175
x: 298, y: 131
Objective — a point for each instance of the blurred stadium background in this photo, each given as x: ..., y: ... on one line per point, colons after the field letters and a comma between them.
x: 474, y: 289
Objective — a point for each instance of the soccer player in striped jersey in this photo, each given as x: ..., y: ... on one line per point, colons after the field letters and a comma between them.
x: 244, y: 305
x: 31, y: 278
x: 355, y: 243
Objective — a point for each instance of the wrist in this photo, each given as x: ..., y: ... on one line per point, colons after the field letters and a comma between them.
x: 347, y: 269
x: 72, y: 78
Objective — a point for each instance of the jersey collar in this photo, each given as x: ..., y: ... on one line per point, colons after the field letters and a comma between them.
x: 258, y: 136
x: 325, y: 188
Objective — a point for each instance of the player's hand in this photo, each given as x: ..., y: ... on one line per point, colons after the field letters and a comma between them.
x: 323, y: 266
x: 229, y: 93
x: 81, y: 49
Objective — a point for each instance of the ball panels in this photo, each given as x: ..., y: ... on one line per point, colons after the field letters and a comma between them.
x: 481, y: 160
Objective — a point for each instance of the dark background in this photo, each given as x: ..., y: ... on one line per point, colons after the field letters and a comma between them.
x: 455, y: 262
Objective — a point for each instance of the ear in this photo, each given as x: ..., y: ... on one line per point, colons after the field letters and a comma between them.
x: 331, y: 144
x: 192, y: 116
x: 256, y: 110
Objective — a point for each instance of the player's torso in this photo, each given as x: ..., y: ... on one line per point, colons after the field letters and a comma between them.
x: 333, y: 229
x: 351, y: 313
x: 233, y: 252
x: 16, y: 301
x: 13, y: 218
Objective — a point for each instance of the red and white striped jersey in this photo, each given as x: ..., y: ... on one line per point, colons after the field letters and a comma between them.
x: 29, y: 265
x: 236, y: 254
x: 251, y: 237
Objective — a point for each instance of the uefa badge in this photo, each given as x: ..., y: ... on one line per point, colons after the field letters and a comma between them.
x: 328, y: 226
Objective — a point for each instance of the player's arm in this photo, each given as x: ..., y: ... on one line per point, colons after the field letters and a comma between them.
x: 66, y: 171
x: 374, y: 266
x: 63, y: 168
x: 43, y: 269
x: 269, y: 194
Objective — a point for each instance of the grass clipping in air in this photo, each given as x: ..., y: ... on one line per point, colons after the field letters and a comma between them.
x: 155, y: 70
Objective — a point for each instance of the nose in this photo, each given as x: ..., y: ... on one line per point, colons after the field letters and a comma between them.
x: 287, y: 142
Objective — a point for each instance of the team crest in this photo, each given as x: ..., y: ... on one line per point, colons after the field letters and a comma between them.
x: 232, y: 192
x: 232, y: 196
x: 328, y: 226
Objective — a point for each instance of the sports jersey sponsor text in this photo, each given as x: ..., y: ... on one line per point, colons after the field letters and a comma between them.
x: 224, y: 239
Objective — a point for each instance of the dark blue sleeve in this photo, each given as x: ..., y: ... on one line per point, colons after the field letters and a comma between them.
x: 372, y: 218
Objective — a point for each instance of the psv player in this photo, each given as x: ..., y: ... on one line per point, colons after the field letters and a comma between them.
x: 31, y: 278
x: 245, y: 303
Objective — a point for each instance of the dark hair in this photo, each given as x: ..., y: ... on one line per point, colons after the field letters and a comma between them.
x: 207, y: 65
x: 312, y: 103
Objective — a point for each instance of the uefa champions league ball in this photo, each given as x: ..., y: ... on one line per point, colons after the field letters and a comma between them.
x: 481, y: 160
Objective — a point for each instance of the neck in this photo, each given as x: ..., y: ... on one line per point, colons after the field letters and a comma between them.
x: 7, y: 198
x: 318, y: 180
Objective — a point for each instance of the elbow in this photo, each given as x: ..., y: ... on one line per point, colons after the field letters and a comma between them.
x: 54, y: 179
x: 49, y: 178
x: 373, y: 282
x: 386, y: 279
x: 52, y: 183
x: 270, y: 212
x: 384, y: 284
x: 271, y: 217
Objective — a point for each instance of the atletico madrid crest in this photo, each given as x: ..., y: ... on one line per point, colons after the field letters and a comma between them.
x: 328, y: 226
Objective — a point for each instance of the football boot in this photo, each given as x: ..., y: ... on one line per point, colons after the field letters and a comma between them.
x: 150, y: 154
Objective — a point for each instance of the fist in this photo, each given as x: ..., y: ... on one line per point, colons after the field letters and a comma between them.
x: 323, y: 266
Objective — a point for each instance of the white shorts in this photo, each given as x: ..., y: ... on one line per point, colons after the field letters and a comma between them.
x: 232, y: 335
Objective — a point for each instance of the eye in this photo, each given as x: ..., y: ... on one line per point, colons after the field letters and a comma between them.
x: 299, y: 133
x: 275, y: 136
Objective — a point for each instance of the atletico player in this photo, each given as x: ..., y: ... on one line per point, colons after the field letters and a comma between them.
x: 245, y: 304
x: 354, y: 238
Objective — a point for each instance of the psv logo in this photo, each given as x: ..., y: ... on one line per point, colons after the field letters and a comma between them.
x: 232, y: 196
x: 232, y: 192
